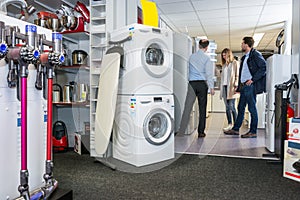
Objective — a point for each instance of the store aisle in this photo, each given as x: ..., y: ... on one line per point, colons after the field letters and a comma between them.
x: 216, y: 143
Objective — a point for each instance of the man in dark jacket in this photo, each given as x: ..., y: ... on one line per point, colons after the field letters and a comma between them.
x: 252, y: 81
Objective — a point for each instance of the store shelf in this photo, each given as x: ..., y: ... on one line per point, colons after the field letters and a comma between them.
x: 99, y: 18
x: 98, y: 3
x: 66, y: 104
x: 96, y: 71
x: 98, y: 46
x: 75, y: 36
x: 75, y: 113
x: 97, y: 59
x: 94, y: 87
x: 71, y: 3
x: 75, y: 67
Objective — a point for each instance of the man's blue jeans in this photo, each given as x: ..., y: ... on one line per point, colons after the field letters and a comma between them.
x: 247, y: 97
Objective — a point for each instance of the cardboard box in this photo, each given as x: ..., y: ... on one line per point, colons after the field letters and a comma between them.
x: 291, y: 168
x: 294, y: 129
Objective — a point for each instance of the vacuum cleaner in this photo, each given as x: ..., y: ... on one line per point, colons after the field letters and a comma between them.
x: 59, y: 137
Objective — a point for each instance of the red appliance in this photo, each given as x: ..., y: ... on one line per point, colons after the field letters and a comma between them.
x: 59, y: 136
x: 290, y: 114
x: 82, y: 9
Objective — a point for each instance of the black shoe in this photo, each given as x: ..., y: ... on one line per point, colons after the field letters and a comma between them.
x: 201, y: 135
x: 249, y: 135
x: 231, y: 132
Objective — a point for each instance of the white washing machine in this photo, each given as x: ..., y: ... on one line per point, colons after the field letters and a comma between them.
x: 147, y: 61
x: 143, y: 129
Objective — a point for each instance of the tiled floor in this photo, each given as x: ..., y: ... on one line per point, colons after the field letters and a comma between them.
x: 217, y: 143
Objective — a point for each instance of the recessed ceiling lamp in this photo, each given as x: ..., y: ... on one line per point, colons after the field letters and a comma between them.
x: 257, y: 38
x: 202, y: 37
x: 186, y: 30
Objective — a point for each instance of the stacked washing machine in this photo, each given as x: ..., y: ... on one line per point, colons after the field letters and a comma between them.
x: 143, y: 126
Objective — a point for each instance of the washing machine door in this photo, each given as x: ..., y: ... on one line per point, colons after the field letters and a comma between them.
x: 157, y: 60
x: 158, y: 126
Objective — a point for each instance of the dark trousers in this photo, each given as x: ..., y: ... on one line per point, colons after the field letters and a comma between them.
x: 195, y: 89
x: 247, y: 97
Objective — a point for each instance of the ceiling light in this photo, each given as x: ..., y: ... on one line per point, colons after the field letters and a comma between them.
x: 186, y: 29
x: 257, y: 38
x: 202, y: 37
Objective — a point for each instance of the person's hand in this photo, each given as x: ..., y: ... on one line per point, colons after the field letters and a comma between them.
x: 212, y: 91
x: 249, y: 82
x: 235, y: 89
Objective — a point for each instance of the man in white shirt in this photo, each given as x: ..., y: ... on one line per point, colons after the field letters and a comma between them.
x: 201, y: 70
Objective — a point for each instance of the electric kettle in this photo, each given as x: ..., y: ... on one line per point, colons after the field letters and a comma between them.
x: 57, y: 93
x: 67, y: 93
x: 79, y: 57
x: 82, y: 91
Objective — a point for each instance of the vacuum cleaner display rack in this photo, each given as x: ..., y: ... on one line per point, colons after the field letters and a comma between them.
x: 19, y: 57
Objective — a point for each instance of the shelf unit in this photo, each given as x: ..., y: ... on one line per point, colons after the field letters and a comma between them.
x: 73, y: 114
x: 74, y: 37
x: 98, y: 46
x: 85, y: 103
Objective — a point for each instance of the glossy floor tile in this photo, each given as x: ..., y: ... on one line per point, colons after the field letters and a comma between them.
x: 219, y: 144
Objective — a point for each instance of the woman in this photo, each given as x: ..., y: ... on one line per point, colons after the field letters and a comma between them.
x: 229, y: 83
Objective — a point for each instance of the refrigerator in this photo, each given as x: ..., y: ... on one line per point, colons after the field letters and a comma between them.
x: 182, y: 50
x: 278, y: 71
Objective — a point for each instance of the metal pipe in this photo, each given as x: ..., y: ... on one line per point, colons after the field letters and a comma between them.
x: 3, y: 45
x: 49, y: 130
x: 31, y: 33
x: 5, y: 3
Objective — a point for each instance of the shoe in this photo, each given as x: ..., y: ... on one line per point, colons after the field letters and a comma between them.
x: 249, y: 135
x: 231, y: 132
x: 177, y: 133
x: 201, y: 135
x: 228, y: 127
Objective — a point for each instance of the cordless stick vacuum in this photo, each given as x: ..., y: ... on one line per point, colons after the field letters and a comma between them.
x: 50, y: 61
x: 24, y: 55
x: 3, y: 45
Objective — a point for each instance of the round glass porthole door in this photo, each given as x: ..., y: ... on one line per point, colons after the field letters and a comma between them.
x: 154, y: 55
x: 156, y: 59
x: 158, y: 126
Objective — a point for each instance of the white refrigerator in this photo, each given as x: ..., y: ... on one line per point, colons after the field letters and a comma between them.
x: 182, y: 50
x: 278, y: 71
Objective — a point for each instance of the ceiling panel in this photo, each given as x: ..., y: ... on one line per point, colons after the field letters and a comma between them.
x: 228, y: 20
x: 281, y: 10
x: 245, y: 4
x: 176, y: 7
x: 274, y: 2
x: 169, y: 1
x: 184, y: 23
x: 251, y: 11
x: 194, y: 31
x: 210, y: 4
x: 182, y: 16
x: 212, y: 14
x: 216, y: 21
x: 220, y: 29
